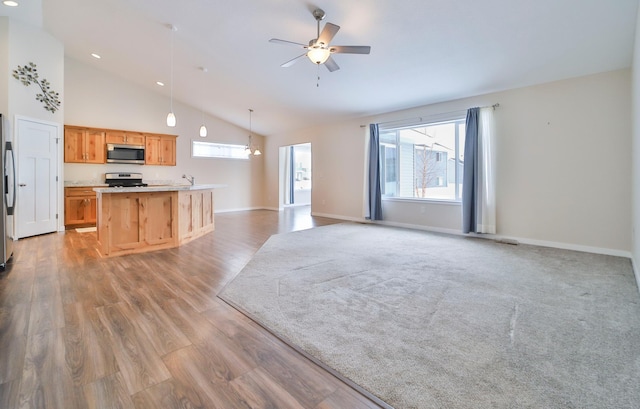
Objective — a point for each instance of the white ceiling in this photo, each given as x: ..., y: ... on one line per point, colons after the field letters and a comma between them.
x: 422, y: 51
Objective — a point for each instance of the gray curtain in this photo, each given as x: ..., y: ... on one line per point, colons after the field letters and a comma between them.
x: 470, y: 174
x: 375, y: 192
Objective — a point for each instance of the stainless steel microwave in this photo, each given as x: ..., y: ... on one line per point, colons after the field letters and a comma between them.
x: 118, y: 153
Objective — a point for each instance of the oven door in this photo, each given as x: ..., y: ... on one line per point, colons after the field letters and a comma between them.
x: 117, y: 153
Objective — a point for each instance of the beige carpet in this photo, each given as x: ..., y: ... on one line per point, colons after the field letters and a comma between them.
x: 423, y: 320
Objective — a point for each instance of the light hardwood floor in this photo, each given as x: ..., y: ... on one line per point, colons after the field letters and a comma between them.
x: 147, y: 330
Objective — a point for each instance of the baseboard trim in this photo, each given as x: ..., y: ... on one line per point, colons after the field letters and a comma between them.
x: 419, y: 227
x: 575, y: 247
x: 533, y: 242
x: 239, y: 209
x: 340, y: 217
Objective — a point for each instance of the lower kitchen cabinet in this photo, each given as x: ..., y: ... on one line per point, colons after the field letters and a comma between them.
x: 79, y: 207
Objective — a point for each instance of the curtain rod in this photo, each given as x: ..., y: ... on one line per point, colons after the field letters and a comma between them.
x: 419, y: 119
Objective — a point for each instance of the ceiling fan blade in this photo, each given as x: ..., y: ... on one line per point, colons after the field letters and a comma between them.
x: 285, y: 42
x: 327, y: 34
x: 331, y: 64
x: 350, y: 49
x: 293, y: 61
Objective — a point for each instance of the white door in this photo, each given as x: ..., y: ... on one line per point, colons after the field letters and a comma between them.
x: 36, y: 206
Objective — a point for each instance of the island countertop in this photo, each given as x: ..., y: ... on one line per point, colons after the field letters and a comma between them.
x: 157, y: 188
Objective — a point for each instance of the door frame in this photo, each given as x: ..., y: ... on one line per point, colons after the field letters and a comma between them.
x: 283, y: 177
x: 59, y: 167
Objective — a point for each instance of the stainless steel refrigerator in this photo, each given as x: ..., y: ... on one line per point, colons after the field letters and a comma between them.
x: 8, y: 185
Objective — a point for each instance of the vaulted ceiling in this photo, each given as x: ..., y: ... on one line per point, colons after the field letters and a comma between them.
x: 422, y: 51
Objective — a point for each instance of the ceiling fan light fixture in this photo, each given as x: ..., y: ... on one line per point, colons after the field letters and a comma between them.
x: 318, y: 54
x: 319, y: 51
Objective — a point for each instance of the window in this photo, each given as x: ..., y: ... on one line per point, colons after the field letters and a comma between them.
x: 423, y: 161
x: 201, y: 149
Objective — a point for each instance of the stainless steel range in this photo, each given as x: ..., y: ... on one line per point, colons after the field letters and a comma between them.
x: 123, y: 179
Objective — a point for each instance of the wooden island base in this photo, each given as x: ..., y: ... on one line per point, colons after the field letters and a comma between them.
x: 137, y: 220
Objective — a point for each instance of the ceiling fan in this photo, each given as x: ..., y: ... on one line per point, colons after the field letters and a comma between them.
x: 318, y: 50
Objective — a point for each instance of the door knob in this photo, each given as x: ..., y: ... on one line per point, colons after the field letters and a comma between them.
x: 22, y: 184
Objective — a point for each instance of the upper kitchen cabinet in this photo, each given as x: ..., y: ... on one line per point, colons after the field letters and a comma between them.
x: 125, y: 137
x: 160, y: 150
x: 84, y: 145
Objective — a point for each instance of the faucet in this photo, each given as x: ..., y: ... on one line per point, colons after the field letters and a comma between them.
x: 190, y: 178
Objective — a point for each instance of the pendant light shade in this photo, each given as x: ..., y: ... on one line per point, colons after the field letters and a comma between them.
x: 249, y: 149
x: 171, y: 118
x: 203, y: 128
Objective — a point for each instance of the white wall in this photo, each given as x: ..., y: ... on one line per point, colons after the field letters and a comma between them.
x: 97, y: 99
x: 21, y: 43
x: 564, y: 165
x: 4, y: 66
x: 636, y: 154
x: 32, y: 44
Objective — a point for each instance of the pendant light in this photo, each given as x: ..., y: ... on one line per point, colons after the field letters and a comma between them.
x: 203, y: 128
x: 249, y: 149
x: 171, y: 118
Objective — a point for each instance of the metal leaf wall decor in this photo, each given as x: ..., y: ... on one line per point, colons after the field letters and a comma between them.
x: 29, y: 74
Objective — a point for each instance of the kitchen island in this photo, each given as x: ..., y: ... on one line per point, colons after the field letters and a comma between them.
x: 140, y: 219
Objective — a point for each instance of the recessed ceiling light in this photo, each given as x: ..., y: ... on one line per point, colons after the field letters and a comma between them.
x: 10, y: 3
x: 94, y: 55
x: 160, y: 83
